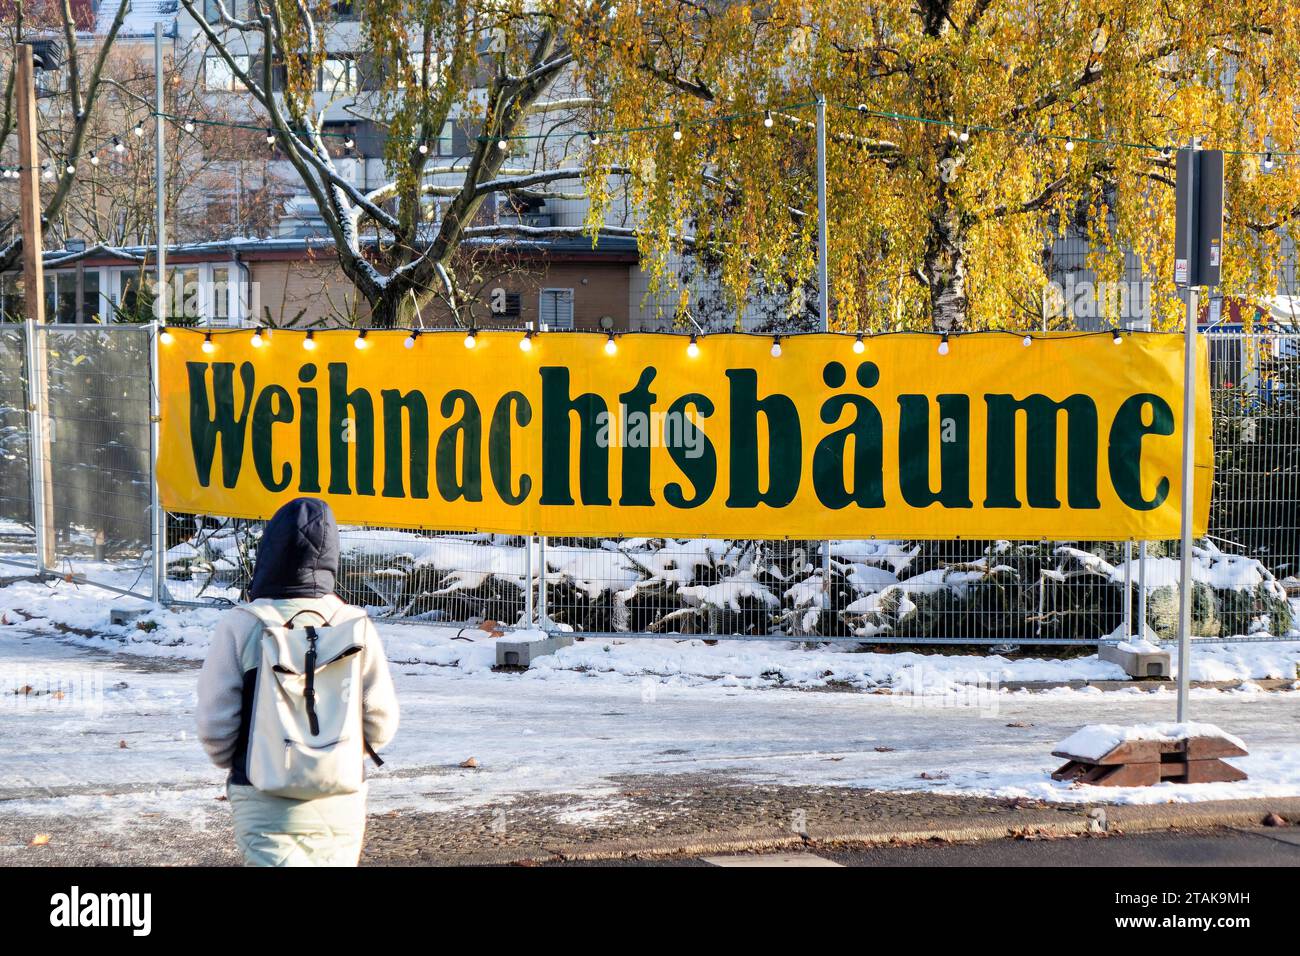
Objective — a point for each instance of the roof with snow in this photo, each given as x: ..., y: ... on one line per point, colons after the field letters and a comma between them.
x: 141, y: 17
x: 571, y: 248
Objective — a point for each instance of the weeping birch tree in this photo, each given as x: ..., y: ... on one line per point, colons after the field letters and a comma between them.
x: 963, y: 136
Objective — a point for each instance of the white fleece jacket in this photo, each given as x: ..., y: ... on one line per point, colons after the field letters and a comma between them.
x: 221, y: 679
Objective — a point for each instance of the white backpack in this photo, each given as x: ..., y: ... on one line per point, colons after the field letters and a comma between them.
x: 305, y: 738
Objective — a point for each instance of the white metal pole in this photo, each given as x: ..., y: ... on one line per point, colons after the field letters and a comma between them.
x: 1128, y: 589
x: 823, y: 292
x: 160, y: 195
x: 1142, y: 589
x: 1187, y: 503
x: 528, y: 581
x: 543, y: 621
x: 36, y: 462
x: 158, y: 520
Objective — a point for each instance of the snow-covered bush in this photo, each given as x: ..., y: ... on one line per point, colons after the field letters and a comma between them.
x: 992, y: 590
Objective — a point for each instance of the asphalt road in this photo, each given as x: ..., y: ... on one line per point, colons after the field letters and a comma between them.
x: 1261, y: 846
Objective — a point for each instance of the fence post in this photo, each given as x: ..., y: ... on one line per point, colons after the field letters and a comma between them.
x: 38, y: 462
x: 1128, y: 589
x: 543, y: 619
x: 528, y: 581
x: 157, y: 518
x: 1142, y: 589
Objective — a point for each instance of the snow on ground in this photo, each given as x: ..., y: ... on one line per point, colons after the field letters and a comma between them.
x: 68, y: 610
x: 115, y: 739
x: 597, y: 710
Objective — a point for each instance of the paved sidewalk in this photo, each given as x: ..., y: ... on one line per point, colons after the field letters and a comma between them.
x: 646, y: 817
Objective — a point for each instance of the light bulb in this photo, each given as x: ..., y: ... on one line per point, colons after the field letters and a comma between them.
x: 410, y: 339
x: 257, y: 341
x: 189, y: 126
x: 270, y: 137
x: 693, y: 348
x: 610, y: 345
x: 776, y: 346
x: 69, y: 169
x: 1116, y: 338
x: 208, y: 345
x: 943, y: 344
x: 118, y: 145
x: 139, y: 129
x: 1027, y: 341
x: 859, y: 346
x: 503, y: 143
x: 166, y: 337
x: 1069, y: 146
x: 349, y: 143
x: 767, y: 118
x: 94, y: 160
x: 424, y: 148
x: 309, y: 343
x: 471, y: 338
x: 360, y: 341
x: 47, y: 173
x: 594, y: 137
x: 677, y: 131
x: 964, y: 136
x: 526, y: 343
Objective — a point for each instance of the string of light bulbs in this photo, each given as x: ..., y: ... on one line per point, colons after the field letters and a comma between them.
x: 962, y: 130
x: 261, y: 337
x: 959, y: 129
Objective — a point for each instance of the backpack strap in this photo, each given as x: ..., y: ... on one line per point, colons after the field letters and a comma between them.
x: 309, y: 692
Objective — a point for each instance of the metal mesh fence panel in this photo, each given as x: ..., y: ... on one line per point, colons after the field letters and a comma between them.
x: 17, y: 536
x: 98, y: 476
x: 962, y: 592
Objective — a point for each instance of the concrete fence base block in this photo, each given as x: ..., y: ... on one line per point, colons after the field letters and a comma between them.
x: 1146, y: 663
x: 522, y: 650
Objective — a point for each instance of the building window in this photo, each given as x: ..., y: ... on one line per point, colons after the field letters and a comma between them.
x: 338, y: 74
x: 555, y: 310
x: 505, y: 305
x: 218, y: 77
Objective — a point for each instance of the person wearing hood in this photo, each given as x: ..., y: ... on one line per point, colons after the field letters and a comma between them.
x: 293, y: 585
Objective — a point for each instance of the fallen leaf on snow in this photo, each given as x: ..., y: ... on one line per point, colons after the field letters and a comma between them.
x: 121, y: 745
x: 471, y: 763
x: 41, y: 839
x: 885, y: 750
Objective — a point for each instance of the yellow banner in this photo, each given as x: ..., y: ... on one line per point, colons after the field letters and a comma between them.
x: 1070, y: 437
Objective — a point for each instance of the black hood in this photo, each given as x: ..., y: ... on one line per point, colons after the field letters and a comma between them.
x: 298, y: 555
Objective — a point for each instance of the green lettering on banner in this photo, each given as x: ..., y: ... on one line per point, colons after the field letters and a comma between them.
x: 207, y: 426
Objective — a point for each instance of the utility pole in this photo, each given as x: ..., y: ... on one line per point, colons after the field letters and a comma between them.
x: 34, y: 308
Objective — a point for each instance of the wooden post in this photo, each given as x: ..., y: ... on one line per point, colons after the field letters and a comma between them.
x: 29, y: 187
x: 34, y: 306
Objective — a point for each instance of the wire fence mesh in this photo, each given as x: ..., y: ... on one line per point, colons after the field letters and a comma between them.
x: 1015, y: 593
x: 17, y: 538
